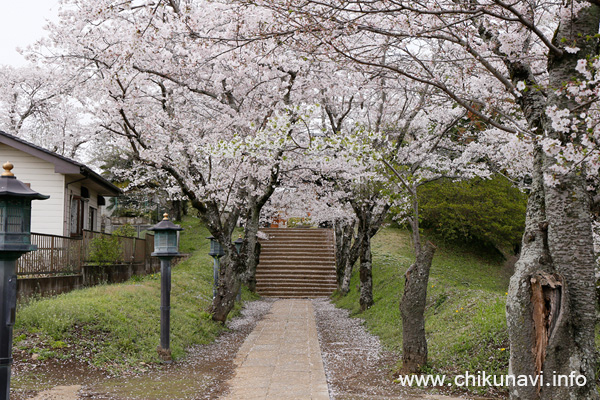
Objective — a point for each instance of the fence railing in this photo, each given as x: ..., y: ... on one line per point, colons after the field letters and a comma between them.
x: 58, y: 255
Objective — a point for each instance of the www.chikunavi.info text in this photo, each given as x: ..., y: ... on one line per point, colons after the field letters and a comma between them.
x: 482, y: 379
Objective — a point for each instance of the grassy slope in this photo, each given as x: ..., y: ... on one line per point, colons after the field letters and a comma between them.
x: 117, y: 326
x: 465, y: 317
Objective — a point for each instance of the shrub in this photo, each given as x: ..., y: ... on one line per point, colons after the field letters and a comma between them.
x: 108, y: 249
x: 105, y: 250
x: 484, y: 211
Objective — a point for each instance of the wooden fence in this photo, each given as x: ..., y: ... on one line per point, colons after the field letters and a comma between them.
x: 61, y: 255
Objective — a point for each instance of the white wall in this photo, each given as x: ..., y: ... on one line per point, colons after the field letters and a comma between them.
x: 47, y: 215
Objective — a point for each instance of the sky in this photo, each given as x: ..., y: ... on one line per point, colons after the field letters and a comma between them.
x: 21, y: 24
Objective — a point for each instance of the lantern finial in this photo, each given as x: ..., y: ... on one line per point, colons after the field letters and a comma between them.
x: 7, y: 168
x: 165, y: 217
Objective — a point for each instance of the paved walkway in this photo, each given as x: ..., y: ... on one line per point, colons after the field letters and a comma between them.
x: 281, y: 358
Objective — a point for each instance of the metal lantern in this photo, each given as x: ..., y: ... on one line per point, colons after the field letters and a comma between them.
x: 15, y: 240
x: 15, y: 213
x: 216, y: 249
x: 238, y: 244
x: 165, y: 248
x: 165, y: 238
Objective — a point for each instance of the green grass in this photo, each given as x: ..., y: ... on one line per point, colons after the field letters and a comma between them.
x: 117, y: 326
x: 465, y: 315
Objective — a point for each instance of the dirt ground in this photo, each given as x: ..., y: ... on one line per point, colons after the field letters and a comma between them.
x: 355, y: 364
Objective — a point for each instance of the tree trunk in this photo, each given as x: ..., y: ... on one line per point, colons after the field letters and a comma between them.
x: 252, y: 249
x: 353, y: 255
x: 177, y: 210
x: 366, y: 276
x: 551, y: 303
x: 344, y: 232
x: 232, y: 264
x: 412, y: 310
x: 227, y: 290
x: 518, y: 306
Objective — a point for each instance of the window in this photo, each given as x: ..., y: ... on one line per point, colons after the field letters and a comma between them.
x: 76, y: 216
x: 93, y: 219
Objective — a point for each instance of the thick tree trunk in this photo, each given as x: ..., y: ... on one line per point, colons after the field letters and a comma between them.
x: 232, y: 264
x: 227, y: 290
x: 366, y: 275
x: 412, y: 310
x: 551, y: 303
x: 519, y: 308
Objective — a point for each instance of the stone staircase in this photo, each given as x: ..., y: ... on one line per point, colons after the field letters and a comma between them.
x: 296, y: 263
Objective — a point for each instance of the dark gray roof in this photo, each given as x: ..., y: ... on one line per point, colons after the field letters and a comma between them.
x: 62, y: 164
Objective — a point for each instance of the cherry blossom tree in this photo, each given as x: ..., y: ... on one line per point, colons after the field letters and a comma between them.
x: 40, y: 106
x: 525, y: 68
x: 214, y: 114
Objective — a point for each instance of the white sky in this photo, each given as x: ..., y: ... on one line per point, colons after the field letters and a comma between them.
x: 21, y: 24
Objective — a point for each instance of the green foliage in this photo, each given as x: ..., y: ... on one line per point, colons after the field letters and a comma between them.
x: 465, y: 312
x: 108, y: 249
x: 117, y: 326
x: 105, y: 250
x: 485, y: 211
x: 126, y: 230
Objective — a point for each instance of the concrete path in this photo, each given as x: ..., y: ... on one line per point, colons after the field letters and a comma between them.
x: 281, y: 358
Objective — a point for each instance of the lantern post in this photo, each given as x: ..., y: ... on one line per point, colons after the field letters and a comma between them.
x: 165, y: 248
x: 15, y: 240
x: 216, y: 252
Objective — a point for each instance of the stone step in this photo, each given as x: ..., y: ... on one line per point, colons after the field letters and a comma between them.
x: 291, y: 286
x: 297, y: 268
x: 297, y: 249
x: 329, y: 279
x: 279, y: 259
x: 297, y: 296
x: 297, y: 263
x: 300, y: 279
x: 297, y: 253
x: 285, y: 274
x: 294, y: 253
x: 294, y: 290
x: 297, y: 242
